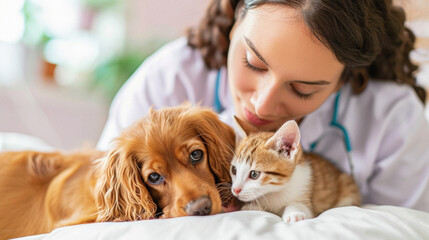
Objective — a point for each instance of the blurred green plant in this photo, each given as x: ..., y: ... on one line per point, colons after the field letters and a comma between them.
x: 109, y: 75
x: 100, y: 4
x: 113, y: 73
x: 35, y: 36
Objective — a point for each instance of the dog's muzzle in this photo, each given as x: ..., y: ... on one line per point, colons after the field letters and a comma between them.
x: 201, y: 206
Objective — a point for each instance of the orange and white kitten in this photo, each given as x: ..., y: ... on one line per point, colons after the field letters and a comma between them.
x: 270, y: 172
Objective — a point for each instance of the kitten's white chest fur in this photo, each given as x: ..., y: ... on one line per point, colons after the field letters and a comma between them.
x: 293, y: 191
x: 286, y: 201
x: 267, y: 174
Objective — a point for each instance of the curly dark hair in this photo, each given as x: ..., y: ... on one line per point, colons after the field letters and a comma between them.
x: 374, y: 42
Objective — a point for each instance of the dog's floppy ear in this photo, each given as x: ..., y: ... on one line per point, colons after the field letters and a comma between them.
x: 120, y: 192
x: 220, y: 142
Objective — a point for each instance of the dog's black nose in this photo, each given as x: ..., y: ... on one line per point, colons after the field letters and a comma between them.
x: 201, y: 206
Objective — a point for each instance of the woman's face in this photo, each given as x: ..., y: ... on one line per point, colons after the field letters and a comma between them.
x: 277, y: 69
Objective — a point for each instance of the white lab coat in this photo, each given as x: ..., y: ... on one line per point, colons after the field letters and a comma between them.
x: 386, y: 123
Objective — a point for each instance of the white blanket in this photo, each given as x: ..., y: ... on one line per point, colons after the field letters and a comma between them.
x: 22, y: 142
x: 368, y: 222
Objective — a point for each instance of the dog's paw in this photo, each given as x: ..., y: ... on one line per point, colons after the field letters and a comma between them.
x: 294, y: 217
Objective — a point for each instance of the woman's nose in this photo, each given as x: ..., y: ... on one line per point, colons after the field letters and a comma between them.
x: 267, y: 101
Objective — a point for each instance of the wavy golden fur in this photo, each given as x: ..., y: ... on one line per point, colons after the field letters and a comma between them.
x: 42, y: 191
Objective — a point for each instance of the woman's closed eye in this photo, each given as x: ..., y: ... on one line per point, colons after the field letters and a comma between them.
x: 304, y: 96
x: 251, y: 67
x: 303, y: 91
x: 253, y: 63
x: 307, y: 89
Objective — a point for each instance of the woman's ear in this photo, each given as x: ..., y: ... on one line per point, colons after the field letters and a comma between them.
x: 120, y: 192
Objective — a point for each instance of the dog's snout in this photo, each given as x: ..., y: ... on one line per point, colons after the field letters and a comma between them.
x: 201, y: 206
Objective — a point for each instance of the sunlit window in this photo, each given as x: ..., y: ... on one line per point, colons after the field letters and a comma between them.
x: 11, y: 20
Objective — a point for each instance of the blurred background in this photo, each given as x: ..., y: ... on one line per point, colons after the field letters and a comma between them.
x: 62, y: 61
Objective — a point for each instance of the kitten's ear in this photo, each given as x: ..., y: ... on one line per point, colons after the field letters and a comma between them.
x: 239, y: 131
x: 286, y: 140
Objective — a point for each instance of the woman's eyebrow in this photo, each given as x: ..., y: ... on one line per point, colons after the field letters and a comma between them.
x: 319, y: 82
x: 252, y: 46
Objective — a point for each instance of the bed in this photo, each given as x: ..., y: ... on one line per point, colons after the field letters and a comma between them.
x: 366, y: 222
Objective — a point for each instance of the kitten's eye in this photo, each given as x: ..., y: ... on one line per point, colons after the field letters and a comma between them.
x: 155, y: 178
x: 233, y: 170
x: 196, y: 156
x: 254, y: 174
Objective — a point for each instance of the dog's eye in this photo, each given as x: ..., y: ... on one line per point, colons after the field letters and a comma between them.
x: 233, y: 170
x: 254, y: 174
x: 155, y: 178
x: 196, y: 156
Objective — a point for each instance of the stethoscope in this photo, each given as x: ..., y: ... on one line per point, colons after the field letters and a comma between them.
x: 346, y: 139
x: 334, y: 123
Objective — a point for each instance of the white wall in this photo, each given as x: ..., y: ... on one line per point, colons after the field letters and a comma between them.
x: 147, y: 19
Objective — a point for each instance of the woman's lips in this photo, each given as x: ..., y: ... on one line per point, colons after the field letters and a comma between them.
x: 254, y: 119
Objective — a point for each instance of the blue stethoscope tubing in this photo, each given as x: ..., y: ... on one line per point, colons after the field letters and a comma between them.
x: 217, y: 105
x: 334, y: 122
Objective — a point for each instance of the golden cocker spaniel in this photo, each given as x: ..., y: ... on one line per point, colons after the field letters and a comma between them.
x: 168, y: 164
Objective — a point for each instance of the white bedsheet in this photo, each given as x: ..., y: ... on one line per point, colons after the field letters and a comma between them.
x: 10, y: 141
x: 368, y: 222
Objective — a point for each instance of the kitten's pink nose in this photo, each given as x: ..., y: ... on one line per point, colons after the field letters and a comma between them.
x: 236, y: 190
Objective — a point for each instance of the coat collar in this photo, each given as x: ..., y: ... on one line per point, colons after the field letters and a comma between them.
x: 314, y: 124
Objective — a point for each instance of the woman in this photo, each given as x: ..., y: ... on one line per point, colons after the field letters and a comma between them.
x: 340, y: 68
